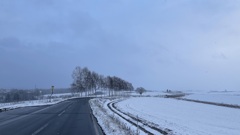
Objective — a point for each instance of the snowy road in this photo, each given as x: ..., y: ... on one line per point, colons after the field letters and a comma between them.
x: 69, y: 117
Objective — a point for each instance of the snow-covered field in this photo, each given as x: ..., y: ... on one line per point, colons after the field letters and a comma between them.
x: 176, y: 116
x: 227, y: 97
x: 184, y: 117
x: 149, y: 93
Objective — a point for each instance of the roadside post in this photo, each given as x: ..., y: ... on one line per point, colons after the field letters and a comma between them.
x: 51, y: 94
x: 52, y: 89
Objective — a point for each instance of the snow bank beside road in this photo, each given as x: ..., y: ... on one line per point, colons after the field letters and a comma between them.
x: 14, y: 105
x: 110, y: 122
x: 56, y: 98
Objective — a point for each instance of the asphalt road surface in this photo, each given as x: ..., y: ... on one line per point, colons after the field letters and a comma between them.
x: 71, y: 117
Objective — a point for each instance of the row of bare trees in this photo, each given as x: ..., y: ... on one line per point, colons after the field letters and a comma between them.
x: 88, y: 82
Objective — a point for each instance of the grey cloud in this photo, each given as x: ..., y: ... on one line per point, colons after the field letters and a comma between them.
x: 10, y: 42
x: 219, y: 56
x: 154, y: 44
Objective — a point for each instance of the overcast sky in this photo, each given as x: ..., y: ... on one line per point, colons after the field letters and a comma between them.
x: 156, y: 44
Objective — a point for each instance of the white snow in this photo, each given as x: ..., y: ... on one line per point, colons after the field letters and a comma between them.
x: 59, y: 95
x: 45, y: 101
x: 111, y: 123
x: 14, y: 105
x: 227, y: 97
x: 149, y: 93
x: 184, y: 117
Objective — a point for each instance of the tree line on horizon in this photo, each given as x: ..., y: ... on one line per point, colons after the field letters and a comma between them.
x: 16, y: 95
x: 88, y: 82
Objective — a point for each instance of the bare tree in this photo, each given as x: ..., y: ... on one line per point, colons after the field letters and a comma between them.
x: 140, y: 90
x: 88, y: 81
x: 78, y: 85
x: 95, y: 81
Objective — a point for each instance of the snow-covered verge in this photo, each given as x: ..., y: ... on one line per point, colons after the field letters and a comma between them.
x: 183, y: 117
x: 14, y: 105
x: 45, y: 101
x: 60, y: 95
x: 226, y: 97
x: 143, y: 125
x: 111, y: 123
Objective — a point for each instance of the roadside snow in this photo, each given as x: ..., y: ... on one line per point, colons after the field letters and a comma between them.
x: 183, y: 117
x: 56, y: 98
x: 59, y: 95
x: 111, y: 123
x: 15, y: 105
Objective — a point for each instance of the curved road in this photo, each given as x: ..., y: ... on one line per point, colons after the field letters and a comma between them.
x: 71, y: 117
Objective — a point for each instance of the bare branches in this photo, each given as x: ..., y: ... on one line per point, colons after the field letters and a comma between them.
x: 88, y: 81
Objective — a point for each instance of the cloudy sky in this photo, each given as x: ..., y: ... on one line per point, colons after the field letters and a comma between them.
x: 157, y: 44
